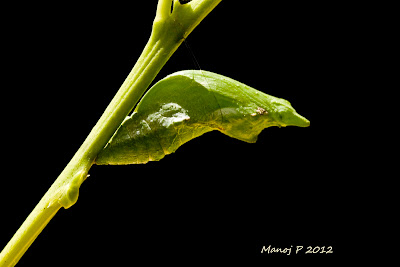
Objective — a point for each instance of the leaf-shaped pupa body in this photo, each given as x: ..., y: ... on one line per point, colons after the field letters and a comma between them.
x: 187, y: 104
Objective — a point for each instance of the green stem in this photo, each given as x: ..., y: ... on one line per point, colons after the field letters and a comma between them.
x: 169, y: 30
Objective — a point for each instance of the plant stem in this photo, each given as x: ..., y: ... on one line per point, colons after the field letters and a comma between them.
x: 169, y: 30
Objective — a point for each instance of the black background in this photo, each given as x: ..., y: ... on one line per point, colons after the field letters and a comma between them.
x: 216, y: 199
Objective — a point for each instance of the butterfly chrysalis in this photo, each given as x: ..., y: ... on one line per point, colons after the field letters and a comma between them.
x: 187, y: 104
